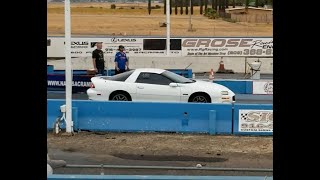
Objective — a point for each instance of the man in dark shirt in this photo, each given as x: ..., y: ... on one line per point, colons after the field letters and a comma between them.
x: 98, y: 59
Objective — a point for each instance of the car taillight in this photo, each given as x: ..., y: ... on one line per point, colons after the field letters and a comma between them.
x: 92, y: 85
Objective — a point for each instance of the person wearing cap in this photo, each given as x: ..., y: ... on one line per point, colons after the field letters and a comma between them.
x: 121, y: 61
x: 98, y: 59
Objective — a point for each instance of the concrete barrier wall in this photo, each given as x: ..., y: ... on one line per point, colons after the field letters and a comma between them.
x: 198, y: 64
x: 166, y: 117
x: 145, y: 117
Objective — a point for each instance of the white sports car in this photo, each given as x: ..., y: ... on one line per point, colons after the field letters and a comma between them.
x: 156, y: 85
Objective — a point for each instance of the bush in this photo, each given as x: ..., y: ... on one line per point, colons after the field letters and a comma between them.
x: 210, y: 13
x: 132, y: 8
x: 113, y: 6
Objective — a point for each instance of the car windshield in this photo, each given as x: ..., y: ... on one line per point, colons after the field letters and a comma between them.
x: 120, y: 77
x: 176, y: 78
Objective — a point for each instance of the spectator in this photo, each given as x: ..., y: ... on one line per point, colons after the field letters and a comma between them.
x: 98, y: 59
x: 121, y: 61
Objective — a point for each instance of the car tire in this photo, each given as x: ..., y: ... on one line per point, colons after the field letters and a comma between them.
x: 200, y: 98
x: 120, y: 96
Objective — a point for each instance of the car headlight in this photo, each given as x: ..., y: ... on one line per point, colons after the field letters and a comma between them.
x: 224, y: 92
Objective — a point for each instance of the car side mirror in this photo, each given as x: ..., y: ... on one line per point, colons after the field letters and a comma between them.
x: 173, y: 84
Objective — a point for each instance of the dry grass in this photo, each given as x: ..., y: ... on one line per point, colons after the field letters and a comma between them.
x: 100, y: 19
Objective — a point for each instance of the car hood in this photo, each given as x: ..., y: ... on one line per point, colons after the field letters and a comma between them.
x: 209, y: 85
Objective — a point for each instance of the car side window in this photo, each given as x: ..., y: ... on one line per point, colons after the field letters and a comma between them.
x: 152, y: 78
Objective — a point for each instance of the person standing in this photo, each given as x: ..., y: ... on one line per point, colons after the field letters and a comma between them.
x: 98, y: 59
x: 121, y: 61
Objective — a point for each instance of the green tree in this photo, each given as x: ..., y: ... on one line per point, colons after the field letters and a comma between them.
x: 216, y: 4
x: 205, y: 5
x: 187, y: 6
x: 191, y: 8
x: 247, y: 4
x: 149, y: 7
x: 170, y: 3
x: 176, y: 6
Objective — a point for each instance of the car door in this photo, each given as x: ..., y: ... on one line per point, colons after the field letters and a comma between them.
x: 155, y: 87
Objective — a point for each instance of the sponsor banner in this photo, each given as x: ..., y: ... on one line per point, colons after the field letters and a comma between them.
x: 246, y: 47
x: 74, y: 83
x: 134, y: 47
x: 79, y: 47
x: 252, y: 120
x: 262, y: 87
x: 156, y: 47
x: 79, y: 83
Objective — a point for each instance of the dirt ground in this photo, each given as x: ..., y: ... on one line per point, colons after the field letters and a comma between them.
x: 161, y: 149
x: 99, y: 19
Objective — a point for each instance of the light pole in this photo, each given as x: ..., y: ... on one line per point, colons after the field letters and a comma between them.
x: 68, y: 72
x: 168, y: 26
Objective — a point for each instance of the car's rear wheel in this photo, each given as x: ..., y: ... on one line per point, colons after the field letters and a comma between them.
x: 200, y: 98
x: 120, y: 96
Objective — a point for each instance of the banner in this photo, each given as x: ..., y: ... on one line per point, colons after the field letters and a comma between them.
x: 251, y: 120
x: 262, y: 87
x: 245, y: 47
x: 156, y: 47
x: 80, y: 83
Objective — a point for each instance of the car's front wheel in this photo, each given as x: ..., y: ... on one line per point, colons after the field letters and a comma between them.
x: 120, y: 96
x: 200, y: 98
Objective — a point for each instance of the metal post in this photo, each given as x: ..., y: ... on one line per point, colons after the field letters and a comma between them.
x: 168, y: 26
x: 190, y: 25
x: 68, y: 73
x: 245, y: 65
